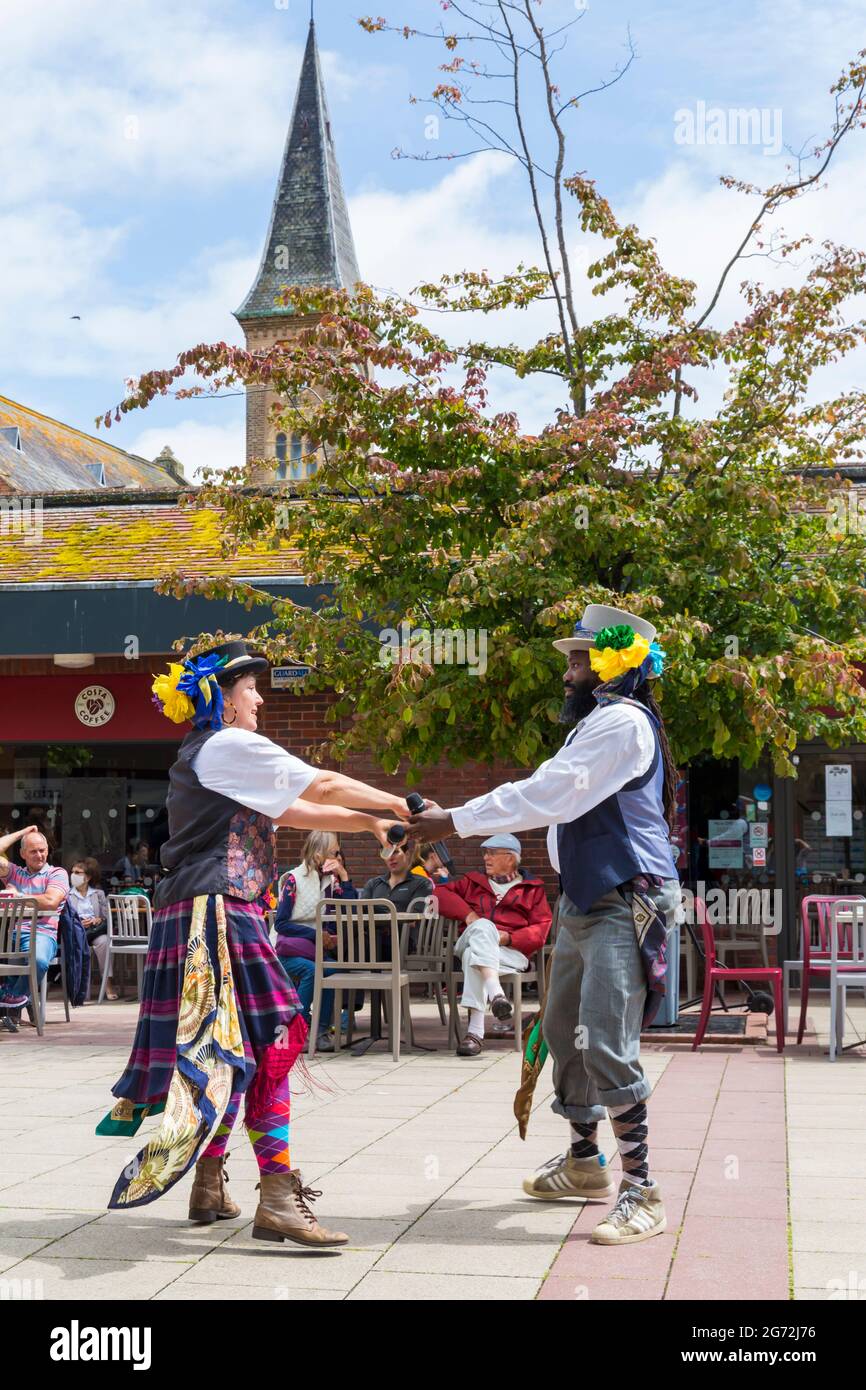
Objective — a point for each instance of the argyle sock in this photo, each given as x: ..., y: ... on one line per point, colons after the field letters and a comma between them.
x: 270, y: 1134
x: 584, y: 1140
x: 476, y: 1022
x: 217, y: 1146
x: 630, y: 1128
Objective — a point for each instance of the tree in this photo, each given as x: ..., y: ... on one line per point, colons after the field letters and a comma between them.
x: 731, y: 530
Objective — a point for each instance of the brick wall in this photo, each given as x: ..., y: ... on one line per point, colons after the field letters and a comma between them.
x: 296, y: 722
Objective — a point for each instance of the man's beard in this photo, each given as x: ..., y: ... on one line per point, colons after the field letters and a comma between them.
x: 578, y: 703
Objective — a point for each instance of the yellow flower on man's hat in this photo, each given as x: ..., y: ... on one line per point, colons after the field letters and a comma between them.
x: 611, y: 662
x: 175, y: 705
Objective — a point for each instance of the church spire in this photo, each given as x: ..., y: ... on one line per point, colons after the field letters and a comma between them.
x: 309, y: 240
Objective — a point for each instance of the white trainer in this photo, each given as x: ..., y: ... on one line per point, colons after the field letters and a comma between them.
x: 638, y: 1214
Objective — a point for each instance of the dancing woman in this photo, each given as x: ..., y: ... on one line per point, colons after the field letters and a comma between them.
x: 219, y: 1019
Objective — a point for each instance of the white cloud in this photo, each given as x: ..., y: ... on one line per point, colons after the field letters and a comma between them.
x: 196, y: 444
x: 458, y: 223
x: 95, y: 98
x: 56, y: 266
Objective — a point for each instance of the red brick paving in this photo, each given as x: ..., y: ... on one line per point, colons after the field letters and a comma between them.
x: 718, y: 1149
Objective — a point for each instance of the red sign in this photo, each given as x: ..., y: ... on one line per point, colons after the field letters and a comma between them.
x: 116, y: 709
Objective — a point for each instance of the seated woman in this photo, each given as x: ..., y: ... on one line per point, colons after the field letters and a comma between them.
x: 431, y: 865
x: 320, y: 876
x: 91, y: 904
x: 507, y: 919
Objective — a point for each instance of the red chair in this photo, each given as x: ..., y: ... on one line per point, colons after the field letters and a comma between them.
x: 815, y: 960
x: 713, y: 973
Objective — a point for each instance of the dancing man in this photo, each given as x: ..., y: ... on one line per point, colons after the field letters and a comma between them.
x: 219, y: 1019
x: 608, y: 797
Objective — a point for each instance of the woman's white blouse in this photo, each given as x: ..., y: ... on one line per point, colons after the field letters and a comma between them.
x: 252, y: 770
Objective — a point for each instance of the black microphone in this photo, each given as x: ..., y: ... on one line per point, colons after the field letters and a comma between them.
x: 397, y: 833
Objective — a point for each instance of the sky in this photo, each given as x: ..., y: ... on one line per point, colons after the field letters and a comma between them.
x: 142, y: 142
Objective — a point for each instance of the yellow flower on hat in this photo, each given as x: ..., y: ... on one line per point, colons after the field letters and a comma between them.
x: 610, y: 662
x: 175, y: 705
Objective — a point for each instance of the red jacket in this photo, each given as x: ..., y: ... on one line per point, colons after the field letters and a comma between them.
x: 523, y: 910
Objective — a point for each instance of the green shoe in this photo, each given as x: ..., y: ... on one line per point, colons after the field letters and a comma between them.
x: 127, y: 1118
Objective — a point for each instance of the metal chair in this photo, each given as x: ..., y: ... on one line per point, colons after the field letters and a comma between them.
x: 360, y: 964
x: 714, y: 974
x: 535, y: 975
x: 422, y: 953
x: 59, y: 959
x: 127, y: 935
x: 18, y: 915
x: 815, y: 962
x: 850, y: 923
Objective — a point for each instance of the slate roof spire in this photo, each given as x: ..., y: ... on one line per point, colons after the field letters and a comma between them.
x: 309, y: 240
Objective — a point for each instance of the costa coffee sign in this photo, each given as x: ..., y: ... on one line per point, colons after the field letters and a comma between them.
x: 94, y: 706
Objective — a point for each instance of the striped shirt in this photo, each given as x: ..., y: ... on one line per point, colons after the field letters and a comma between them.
x: 32, y: 885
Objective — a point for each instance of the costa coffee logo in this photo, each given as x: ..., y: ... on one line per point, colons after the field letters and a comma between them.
x: 94, y: 706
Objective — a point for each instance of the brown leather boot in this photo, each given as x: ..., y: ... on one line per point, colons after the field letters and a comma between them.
x: 284, y: 1213
x: 209, y: 1200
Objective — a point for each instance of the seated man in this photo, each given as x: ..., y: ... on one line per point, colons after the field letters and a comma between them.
x: 50, y: 887
x: 507, y: 920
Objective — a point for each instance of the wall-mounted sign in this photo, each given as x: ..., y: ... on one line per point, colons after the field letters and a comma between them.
x: 759, y: 833
x: 282, y: 677
x: 762, y: 792
x: 759, y: 856
x: 725, y: 843
x: 94, y: 705
x: 837, y: 789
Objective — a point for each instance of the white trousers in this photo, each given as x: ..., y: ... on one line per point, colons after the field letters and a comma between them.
x: 479, y: 946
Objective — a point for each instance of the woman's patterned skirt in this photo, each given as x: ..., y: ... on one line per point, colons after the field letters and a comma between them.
x: 218, y: 1017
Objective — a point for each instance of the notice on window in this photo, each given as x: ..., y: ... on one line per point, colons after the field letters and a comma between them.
x: 838, y: 788
x: 725, y: 843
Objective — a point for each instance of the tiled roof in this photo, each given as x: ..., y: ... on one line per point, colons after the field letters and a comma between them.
x: 309, y: 241
x: 54, y: 457
x: 126, y: 542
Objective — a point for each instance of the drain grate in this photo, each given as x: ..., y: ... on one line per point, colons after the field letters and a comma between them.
x: 729, y: 1025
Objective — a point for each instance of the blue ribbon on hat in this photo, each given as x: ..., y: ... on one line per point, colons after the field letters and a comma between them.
x: 199, y: 682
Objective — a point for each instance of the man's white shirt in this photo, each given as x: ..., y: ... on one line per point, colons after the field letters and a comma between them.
x: 608, y: 748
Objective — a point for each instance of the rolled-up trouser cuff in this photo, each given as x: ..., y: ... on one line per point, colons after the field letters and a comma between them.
x: 579, y: 1114
x: 608, y: 1100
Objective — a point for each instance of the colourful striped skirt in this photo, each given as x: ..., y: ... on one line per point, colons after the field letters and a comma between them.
x: 267, y: 1003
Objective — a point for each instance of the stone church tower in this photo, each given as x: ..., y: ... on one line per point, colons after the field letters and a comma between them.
x: 309, y: 242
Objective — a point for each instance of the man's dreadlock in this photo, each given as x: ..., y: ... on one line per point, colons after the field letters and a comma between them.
x: 644, y: 694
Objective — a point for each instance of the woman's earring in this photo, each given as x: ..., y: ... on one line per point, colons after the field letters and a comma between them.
x: 229, y: 722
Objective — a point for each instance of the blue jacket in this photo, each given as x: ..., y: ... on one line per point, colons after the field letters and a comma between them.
x: 76, y: 954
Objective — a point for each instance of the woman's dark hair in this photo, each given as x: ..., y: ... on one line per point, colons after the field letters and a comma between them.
x: 92, y: 869
x: 644, y: 693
